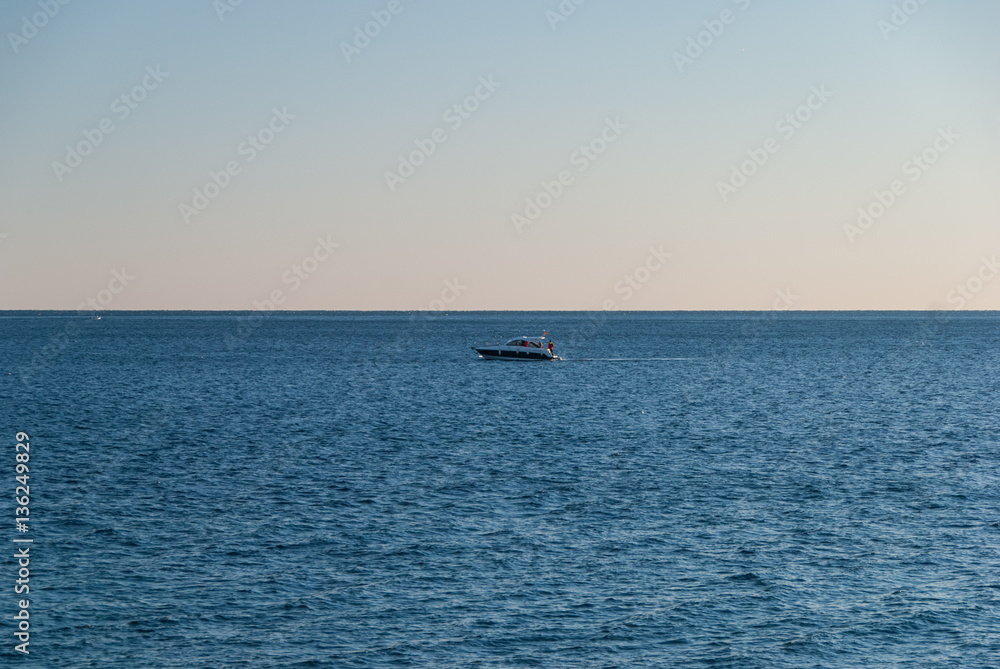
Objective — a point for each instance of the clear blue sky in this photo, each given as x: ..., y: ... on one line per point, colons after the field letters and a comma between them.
x: 672, y: 132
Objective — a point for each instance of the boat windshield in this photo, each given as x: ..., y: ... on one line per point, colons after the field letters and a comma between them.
x: 524, y: 342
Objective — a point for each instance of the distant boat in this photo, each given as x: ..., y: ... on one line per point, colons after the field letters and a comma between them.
x: 522, y: 348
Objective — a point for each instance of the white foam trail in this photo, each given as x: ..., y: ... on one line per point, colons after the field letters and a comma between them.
x: 619, y: 359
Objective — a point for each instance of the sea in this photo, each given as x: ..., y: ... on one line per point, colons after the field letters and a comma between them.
x: 359, y: 490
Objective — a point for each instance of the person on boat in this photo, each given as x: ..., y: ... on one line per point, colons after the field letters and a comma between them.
x: 552, y: 345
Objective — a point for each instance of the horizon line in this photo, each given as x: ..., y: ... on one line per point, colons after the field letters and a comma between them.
x: 479, y: 311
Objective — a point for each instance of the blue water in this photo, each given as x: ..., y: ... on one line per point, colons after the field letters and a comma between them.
x: 358, y: 490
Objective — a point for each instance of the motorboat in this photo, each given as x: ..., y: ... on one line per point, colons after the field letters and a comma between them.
x: 522, y: 348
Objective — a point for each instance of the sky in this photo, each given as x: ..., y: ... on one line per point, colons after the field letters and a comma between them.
x: 432, y: 155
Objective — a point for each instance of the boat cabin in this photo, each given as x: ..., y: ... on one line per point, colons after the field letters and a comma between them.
x: 526, y: 342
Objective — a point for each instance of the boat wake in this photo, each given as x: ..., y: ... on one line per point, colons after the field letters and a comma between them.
x: 620, y: 359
